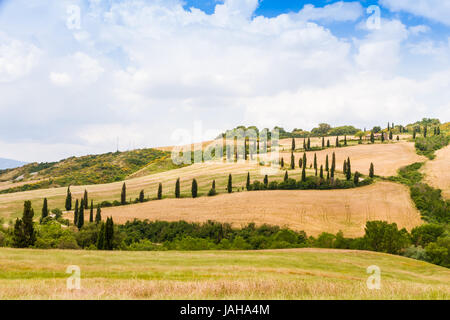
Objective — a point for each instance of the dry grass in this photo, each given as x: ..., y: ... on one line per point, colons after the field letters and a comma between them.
x: 387, y: 158
x: 437, y: 171
x: 274, y: 274
x: 313, y: 211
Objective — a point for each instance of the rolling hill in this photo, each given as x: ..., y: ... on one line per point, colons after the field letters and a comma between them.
x: 10, y: 164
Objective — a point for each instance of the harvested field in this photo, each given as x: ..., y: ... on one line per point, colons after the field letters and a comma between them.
x: 387, y: 158
x: 437, y: 171
x: 313, y: 211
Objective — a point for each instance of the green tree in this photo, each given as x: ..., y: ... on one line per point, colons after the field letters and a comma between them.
x: 75, y: 214
x: 292, y: 161
x: 390, y: 135
x: 123, y: 194
x: 321, y: 171
x: 315, y: 161
x: 371, y: 171
x: 414, y: 134
x: 286, y: 176
x: 247, y: 184
x: 98, y: 215
x: 356, y: 178
x: 266, y: 181
x: 382, y: 137
x: 349, y: 170
x: 68, y: 199
x: 304, y: 160
x: 333, y: 165
x: 91, y: 213
x: 328, y: 143
x: 159, y: 194
x: 384, y: 237
x: 323, y: 142
x: 425, y: 131
x: 293, y: 144
x: 337, y: 141
x: 177, y: 188
x: 194, y: 188
x: 327, y: 167
x: 304, y: 173
x: 345, y: 140
x: 24, y: 234
x: 101, y: 237
x: 44, y: 209
x: 80, y: 220
x: 372, y: 137
x: 309, y: 143
x: 141, y: 196
x: 85, y: 198
x: 230, y: 184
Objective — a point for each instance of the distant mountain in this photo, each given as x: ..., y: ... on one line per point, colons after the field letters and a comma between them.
x: 9, y: 164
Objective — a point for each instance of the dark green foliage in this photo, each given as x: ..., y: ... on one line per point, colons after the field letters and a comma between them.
x: 68, y: 204
x: 384, y: 237
x: 159, y: 194
x: 345, y: 140
x: 266, y: 181
x: 194, y: 189
x: 425, y: 234
x: 372, y: 137
x: 212, y: 191
x: 44, y: 209
x: 141, y: 196
x: 98, y: 215
x: 292, y: 161
x: 337, y: 141
x: 308, y: 144
x: 333, y: 165
x: 75, y: 214
x: 177, y: 188
x: 286, y: 176
x: 348, y: 171
x: 230, y: 184
x: 85, y: 200
x: 105, y: 238
x: 91, y: 213
x: 321, y: 171
x: 123, y: 194
x: 247, y: 184
x: 327, y: 167
x: 371, y: 171
x: 101, y: 237
x: 80, y: 219
x: 282, y: 163
x: 356, y: 178
x: 323, y: 142
x: 328, y: 143
x: 390, y: 134
x: 293, y: 144
x: 24, y: 234
x: 430, y: 203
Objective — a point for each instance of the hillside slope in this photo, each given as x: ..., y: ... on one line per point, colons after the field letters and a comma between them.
x: 274, y: 274
x: 90, y: 169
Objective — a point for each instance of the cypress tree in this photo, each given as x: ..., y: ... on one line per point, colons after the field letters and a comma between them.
x: 434, y: 131
x: 321, y: 171
x: 304, y: 144
x: 213, y: 192
x: 438, y: 130
x: 109, y: 234
x: 194, y: 188
x: 344, y: 167
x: 323, y: 142
x: 304, y: 173
x: 315, y: 161
x: 398, y: 138
x: 75, y: 214
x: 328, y: 175
x: 230, y: 184
x: 371, y: 171
x: 328, y: 143
x: 141, y: 196
x: 390, y: 135
x: 300, y: 163
x: 266, y: 180
x: 304, y: 160
x: 24, y: 234
x: 382, y: 137
x: 414, y: 134
x: 68, y: 199
x: 80, y: 219
x: 345, y: 140
x: 286, y: 177
x: 327, y: 167
x: 293, y: 144
x: 372, y: 137
x: 337, y: 141
x: 44, y: 209
x: 282, y: 162
x: 247, y: 185
x: 85, y: 198
x: 159, y: 195
x: 309, y: 143
x: 177, y: 188
x: 349, y: 170
x: 425, y: 131
x: 123, y: 195
x: 91, y: 213
x: 356, y: 178
x: 98, y: 215
x: 333, y: 165
x: 292, y: 161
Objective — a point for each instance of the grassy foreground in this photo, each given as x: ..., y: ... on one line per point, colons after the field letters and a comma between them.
x: 275, y: 274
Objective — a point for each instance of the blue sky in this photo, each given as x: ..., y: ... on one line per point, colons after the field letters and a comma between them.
x: 75, y: 75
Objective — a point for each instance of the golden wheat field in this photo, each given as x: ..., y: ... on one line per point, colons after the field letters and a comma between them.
x: 437, y: 171
x: 387, y: 158
x: 313, y: 211
x: 271, y: 274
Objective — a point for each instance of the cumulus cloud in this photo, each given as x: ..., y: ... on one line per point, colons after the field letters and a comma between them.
x: 140, y: 70
x: 437, y: 10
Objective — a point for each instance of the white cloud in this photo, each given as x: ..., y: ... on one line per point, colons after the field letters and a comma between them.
x: 438, y: 10
x: 60, y: 79
x: 17, y: 58
x: 338, y: 11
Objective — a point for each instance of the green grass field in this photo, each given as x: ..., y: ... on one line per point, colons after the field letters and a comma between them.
x: 277, y: 274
